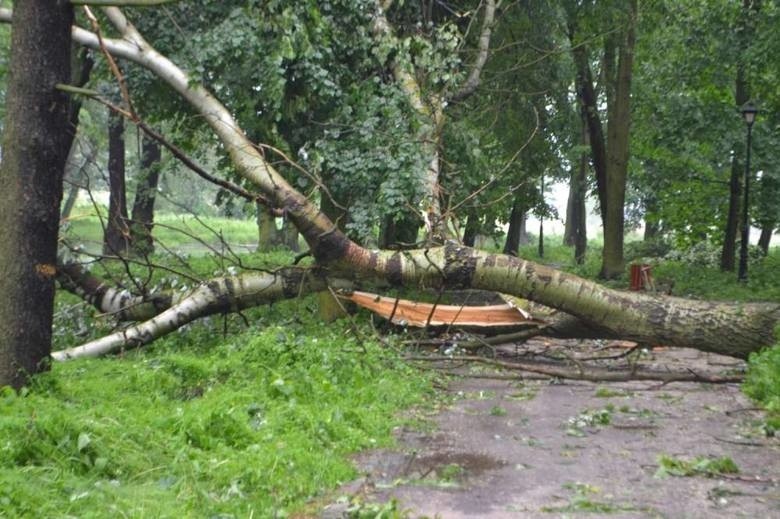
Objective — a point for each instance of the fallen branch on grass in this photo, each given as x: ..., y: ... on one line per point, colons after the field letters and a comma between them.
x: 591, y: 374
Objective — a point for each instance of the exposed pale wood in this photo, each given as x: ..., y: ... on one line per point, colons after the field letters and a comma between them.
x: 413, y: 313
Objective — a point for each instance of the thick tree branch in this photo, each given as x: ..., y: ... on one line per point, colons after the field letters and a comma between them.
x: 227, y: 294
x: 483, y: 49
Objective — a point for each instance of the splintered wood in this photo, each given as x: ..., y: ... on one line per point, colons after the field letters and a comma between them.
x: 413, y: 313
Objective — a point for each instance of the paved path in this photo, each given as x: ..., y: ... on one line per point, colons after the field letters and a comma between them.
x: 508, y: 449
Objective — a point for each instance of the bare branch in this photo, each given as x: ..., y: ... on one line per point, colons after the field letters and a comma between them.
x: 483, y: 49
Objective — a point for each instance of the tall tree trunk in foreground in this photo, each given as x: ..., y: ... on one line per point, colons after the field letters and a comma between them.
x: 142, y: 216
x: 116, y: 240
x: 36, y: 140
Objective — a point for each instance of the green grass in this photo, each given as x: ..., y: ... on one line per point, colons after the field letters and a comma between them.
x: 170, y: 231
x: 762, y: 383
x: 698, y: 466
x: 253, y: 424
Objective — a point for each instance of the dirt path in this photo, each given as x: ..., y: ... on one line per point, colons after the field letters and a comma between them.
x: 541, y: 449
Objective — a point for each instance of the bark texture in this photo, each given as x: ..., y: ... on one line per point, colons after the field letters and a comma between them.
x: 516, y: 234
x: 142, y: 216
x: 116, y: 239
x: 610, y: 156
x: 36, y: 141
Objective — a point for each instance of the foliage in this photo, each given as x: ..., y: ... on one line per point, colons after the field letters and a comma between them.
x: 200, y: 424
x: 762, y: 382
x: 698, y: 466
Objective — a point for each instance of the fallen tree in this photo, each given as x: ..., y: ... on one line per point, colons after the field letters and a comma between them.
x: 735, y: 329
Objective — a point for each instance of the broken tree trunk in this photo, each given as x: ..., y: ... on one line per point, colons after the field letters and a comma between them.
x: 735, y: 329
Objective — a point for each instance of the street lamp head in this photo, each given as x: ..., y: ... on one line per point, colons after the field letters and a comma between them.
x: 749, y: 112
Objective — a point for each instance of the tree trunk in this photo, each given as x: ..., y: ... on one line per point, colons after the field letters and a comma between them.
x: 267, y: 234
x: 516, y: 234
x: 290, y: 235
x: 610, y: 159
x: 652, y: 225
x: 741, y: 96
x: 735, y: 329
x: 765, y: 238
x: 36, y: 140
x: 399, y: 233
x: 728, y: 253
x: 471, y: 230
x: 81, y: 64
x: 590, y: 113
x: 618, y: 129
x: 142, y: 217
x: 576, y: 232
x: 116, y: 239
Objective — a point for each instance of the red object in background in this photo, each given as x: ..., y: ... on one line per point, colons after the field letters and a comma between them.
x: 640, y: 277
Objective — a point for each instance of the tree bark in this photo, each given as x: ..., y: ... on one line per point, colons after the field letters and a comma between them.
x: 728, y: 252
x: 471, y: 230
x: 290, y: 235
x: 116, y: 239
x: 36, y: 139
x: 516, y: 234
x: 610, y: 158
x: 142, y: 216
x: 267, y: 234
x: 765, y: 238
x: 618, y: 129
x: 741, y: 96
x: 576, y: 231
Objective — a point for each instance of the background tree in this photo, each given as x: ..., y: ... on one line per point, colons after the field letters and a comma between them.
x: 610, y: 153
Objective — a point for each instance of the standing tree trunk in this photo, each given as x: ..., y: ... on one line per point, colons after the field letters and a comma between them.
x: 267, y: 234
x: 516, y: 235
x: 576, y: 231
x: 610, y: 156
x: 471, y: 230
x: 82, y: 62
x: 728, y: 252
x: 36, y: 139
x: 741, y: 96
x: 116, y: 239
x: 765, y: 238
x: 142, y: 217
x: 290, y: 235
x: 618, y: 129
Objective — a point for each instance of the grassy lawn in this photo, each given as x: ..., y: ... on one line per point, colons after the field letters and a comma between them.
x: 171, y: 231
x: 252, y: 424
